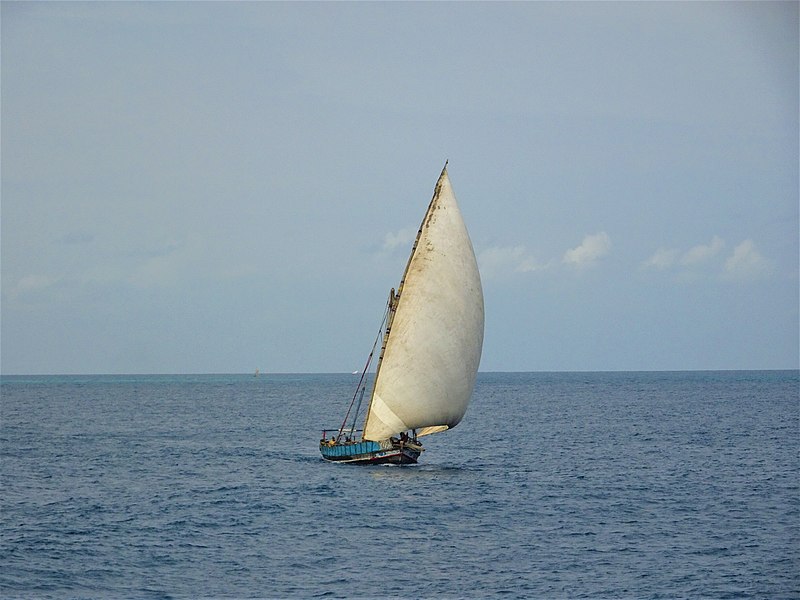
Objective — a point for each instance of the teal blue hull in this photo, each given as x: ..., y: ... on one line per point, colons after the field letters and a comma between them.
x: 371, y: 453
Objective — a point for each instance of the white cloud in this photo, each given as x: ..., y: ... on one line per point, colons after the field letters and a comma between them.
x: 664, y: 258
x: 746, y: 263
x: 404, y: 237
x: 702, y: 253
x: 591, y: 249
x: 506, y: 259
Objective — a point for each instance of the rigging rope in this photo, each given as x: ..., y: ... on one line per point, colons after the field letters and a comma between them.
x: 363, y: 375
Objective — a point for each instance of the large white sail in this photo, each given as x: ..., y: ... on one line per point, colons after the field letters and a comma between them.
x: 427, y: 374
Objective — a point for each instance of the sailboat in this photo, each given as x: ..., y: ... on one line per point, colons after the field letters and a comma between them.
x: 430, y: 337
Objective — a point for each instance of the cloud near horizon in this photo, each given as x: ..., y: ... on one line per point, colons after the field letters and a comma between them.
x: 664, y: 258
x: 497, y: 260
x: 701, y: 253
x: 593, y: 248
x: 503, y: 260
x: 404, y: 237
x: 745, y: 264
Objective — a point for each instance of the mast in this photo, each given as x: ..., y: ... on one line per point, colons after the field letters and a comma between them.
x: 390, y: 312
x: 421, y: 226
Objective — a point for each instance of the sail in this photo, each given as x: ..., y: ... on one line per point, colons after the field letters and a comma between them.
x: 433, y: 349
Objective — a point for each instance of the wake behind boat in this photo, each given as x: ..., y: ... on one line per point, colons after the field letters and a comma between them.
x: 432, y: 336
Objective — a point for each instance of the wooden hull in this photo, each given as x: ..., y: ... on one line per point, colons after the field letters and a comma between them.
x: 371, y: 453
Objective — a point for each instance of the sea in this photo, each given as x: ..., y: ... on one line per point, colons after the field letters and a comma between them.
x: 555, y: 485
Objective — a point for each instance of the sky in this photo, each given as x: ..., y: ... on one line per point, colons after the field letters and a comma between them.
x: 223, y: 187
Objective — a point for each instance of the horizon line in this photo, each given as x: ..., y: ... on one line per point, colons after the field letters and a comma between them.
x: 267, y: 373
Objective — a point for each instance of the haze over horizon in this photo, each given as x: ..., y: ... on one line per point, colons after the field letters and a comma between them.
x: 219, y: 187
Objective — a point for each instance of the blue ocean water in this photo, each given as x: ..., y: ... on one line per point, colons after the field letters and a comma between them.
x: 556, y: 485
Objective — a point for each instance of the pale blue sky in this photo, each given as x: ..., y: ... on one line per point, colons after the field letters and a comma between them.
x: 209, y: 187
